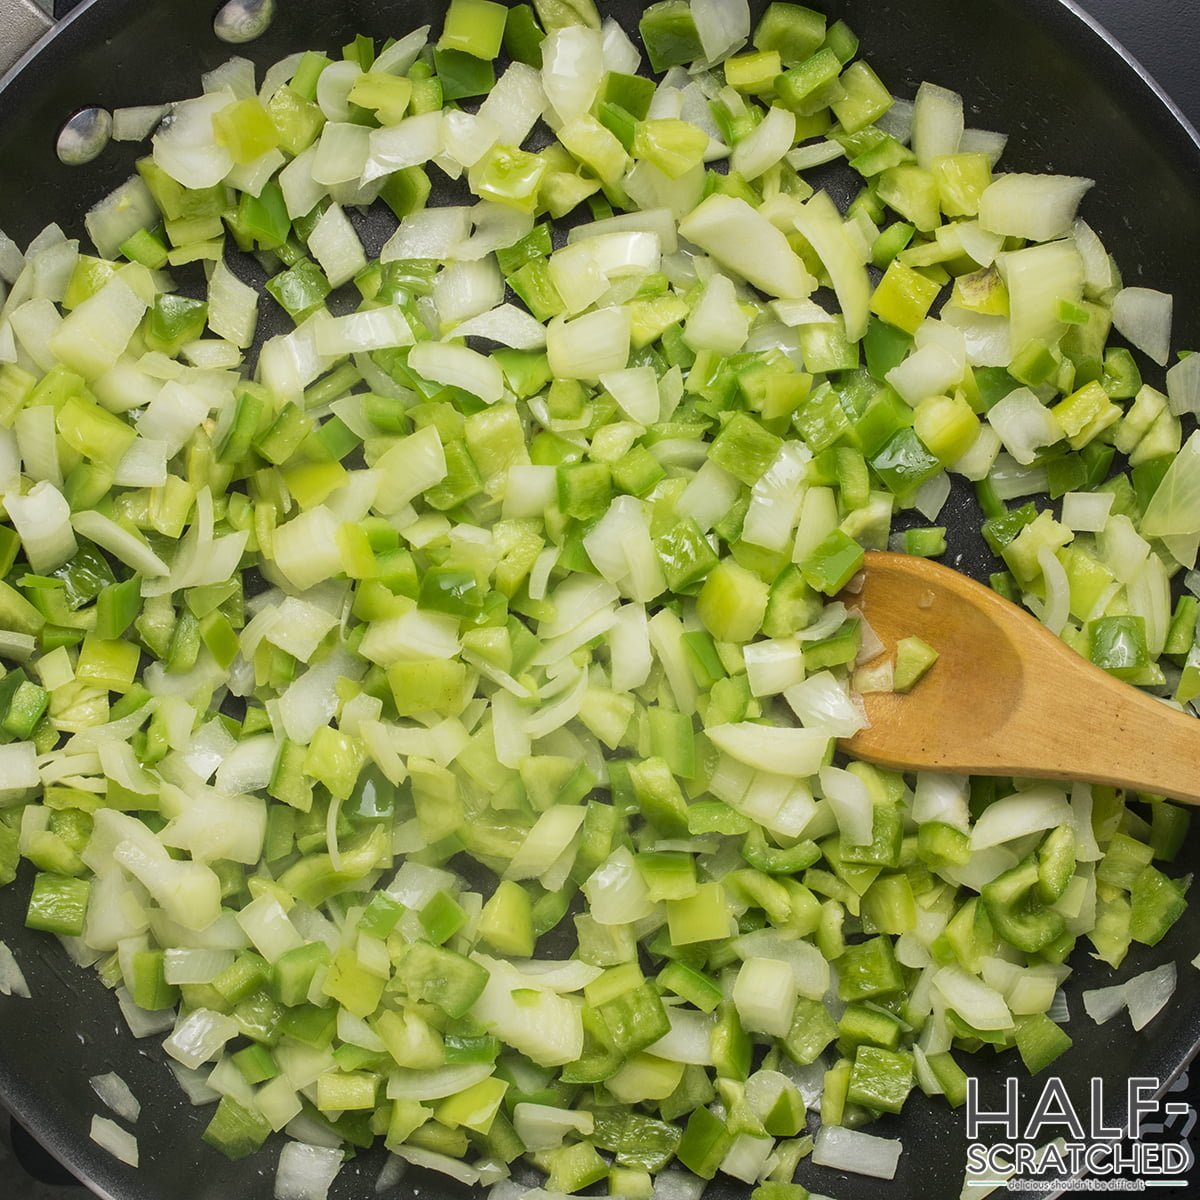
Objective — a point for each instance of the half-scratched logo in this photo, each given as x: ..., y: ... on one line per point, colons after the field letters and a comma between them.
x: 1055, y: 1145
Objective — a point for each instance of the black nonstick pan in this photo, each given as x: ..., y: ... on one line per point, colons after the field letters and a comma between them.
x: 1032, y: 68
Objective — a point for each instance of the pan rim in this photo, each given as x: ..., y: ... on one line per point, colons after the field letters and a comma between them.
x: 1058, y: 15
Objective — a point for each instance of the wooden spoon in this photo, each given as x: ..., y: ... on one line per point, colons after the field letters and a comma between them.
x: 1007, y: 697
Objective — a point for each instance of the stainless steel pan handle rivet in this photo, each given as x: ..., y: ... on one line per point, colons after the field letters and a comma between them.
x: 241, y: 21
x: 84, y: 136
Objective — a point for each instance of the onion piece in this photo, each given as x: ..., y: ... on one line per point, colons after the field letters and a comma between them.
x: 120, y: 1143
x: 505, y: 324
x: 1039, y: 278
x: 615, y: 891
x: 412, y: 143
x: 306, y: 1172
x: 185, y: 145
x: 1024, y: 425
x: 823, y: 702
x: 236, y: 74
x: 432, y: 1161
x: 821, y: 224
x: 42, y: 519
x: 742, y: 239
x: 572, y: 67
x: 851, y: 802
x: 567, y: 975
x: 590, y: 345
x: 232, y: 306
x: 1102, y: 1004
x: 457, y: 366
x: 430, y: 233
x: 1041, y: 807
x: 119, y: 216
x: 723, y: 26
x: 937, y: 123
x: 1146, y: 995
x: 333, y: 89
x: 859, y: 1153
x: 1183, y: 386
x: 542, y: 1127
x: 766, y: 144
x: 1143, y: 316
x: 1038, y: 207
x: 810, y: 971
x: 401, y: 55
x: 785, y: 751
x: 12, y: 978
x: 335, y: 245
x: 115, y: 1093
x: 979, y: 1005
x: 1057, y: 604
x: 437, y: 1083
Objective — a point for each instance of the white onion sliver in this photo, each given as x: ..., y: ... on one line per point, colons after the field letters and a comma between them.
x: 1102, y: 1004
x: 120, y: 1143
x: 856, y: 1152
x: 306, y: 1172
x: 1146, y: 995
x: 115, y: 1092
x: 12, y: 978
x: 1143, y: 316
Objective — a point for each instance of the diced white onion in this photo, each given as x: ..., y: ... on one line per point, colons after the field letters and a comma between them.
x: 1146, y: 995
x: 457, y: 366
x: 1056, y: 608
x: 336, y: 246
x: 185, y: 145
x: 411, y: 143
x: 766, y: 144
x: 980, y: 1006
x: 859, y: 1153
x: 42, y: 519
x: 12, y: 978
x: 1086, y: 512
x: 1038, y: 207
x: 798, y: 752
x: 505, y: 324
x: 120, y: 1143
x: 851, y: 802
x: 589, y: 346
x: 572, y: 67
x: 306, y: 1172
x: 742, y: 239
x: 1183, y: 385
x: 1024, y: 424
x: 1143, y: 316
x: 114, y: 1091
x: 542, y: 1127
x: 937, y: 123
x: 823, y: 702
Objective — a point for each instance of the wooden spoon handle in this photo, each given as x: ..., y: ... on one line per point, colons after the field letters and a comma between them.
x: 1109, y: 731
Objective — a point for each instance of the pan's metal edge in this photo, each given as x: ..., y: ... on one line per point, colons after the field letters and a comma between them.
x: 1130, y: 60
x: 25, y: 24
x: 48, y: 35
x: 1103, y: 38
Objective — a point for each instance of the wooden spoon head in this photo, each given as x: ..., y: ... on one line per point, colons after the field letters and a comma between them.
x: 949, y: 721
x: 1007, y: 697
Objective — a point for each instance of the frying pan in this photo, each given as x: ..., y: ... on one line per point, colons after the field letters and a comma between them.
x: 1034, y: 68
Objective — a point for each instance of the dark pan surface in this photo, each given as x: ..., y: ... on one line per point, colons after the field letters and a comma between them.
x: 1032, y: 68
